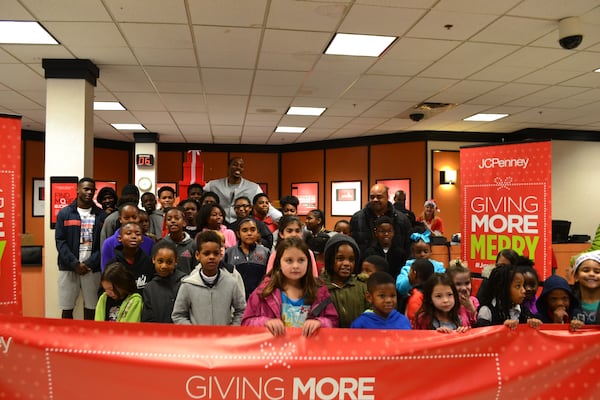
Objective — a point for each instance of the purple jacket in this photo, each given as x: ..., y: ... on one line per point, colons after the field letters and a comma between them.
x: 259, y: 311
x: 109, y: 245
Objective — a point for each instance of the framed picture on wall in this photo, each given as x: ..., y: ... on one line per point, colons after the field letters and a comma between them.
x: 63, y: 191
x: 397, y: 184
x: 308, y: 196
x: 38, y: 195
x: 345, y: 198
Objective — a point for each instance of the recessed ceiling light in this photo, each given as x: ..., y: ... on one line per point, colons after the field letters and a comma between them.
x: 485, y: 117
x: 315, y: 111
x: 345, y: 44
x: 24, y: 32
x: 108, y: 106
x: 129, y: 127
x: 597, y: 70
x: 289, y: 129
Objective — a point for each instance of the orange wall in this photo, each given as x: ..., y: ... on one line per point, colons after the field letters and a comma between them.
x: 304, y: 166
x: 32, y: 278
x: 402, y: 161
x: 112, y: 165
x: 447, y: 196
x: 345, y: 164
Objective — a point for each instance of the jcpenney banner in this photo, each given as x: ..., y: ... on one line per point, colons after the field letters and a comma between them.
x: 58, y: 359
x: 10, y: 215
x: 506, y: 203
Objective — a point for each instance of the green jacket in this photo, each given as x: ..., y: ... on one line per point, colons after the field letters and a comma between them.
x: 130, y: 311
x: 349, y: 300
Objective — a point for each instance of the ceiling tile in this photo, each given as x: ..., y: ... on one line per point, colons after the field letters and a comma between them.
x: 151, y: 11
x: 35, y: 53
x: 552, y: 9
x: 515, y: 30
x: 227, y: 81
x: 469, y: 6
x: 385, y: 21
x: 247, y: 13
x: 157, y: 36
x: 464, y: 25
x: 184, y: 102
x: 227, y: 47
x: 507, y: 93
x: 139, y: 101
x: 468, y: 59
x: 64, y: 10
x: 304, y: 15
x: 291, y: 50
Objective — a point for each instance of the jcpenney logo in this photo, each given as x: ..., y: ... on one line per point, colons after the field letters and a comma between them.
x: 496, y: 162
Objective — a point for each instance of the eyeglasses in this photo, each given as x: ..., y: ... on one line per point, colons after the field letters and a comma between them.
x: 241, y: 206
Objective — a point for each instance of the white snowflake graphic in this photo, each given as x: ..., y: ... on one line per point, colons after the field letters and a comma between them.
x: 277, y: 356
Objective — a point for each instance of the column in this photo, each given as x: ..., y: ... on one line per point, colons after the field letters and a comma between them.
x: 69, y: 146
x: 146, y: 161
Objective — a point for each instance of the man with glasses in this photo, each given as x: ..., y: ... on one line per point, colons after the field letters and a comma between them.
x: 243, y: 209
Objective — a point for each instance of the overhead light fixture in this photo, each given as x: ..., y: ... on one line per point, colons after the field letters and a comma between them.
x: 314, y: 111
x: 129, y: 127
x: 289, y: 129
x: 108, y: 106
x: 24, y: 32
x: 448, y: 177
x: 597, y: 70
x: 485, y: 117
x: 346, y: 44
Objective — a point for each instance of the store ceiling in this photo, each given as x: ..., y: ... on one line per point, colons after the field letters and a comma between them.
x: 226, y: 71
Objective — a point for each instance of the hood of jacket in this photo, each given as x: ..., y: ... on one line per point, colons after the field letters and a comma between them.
x: 552, y: 283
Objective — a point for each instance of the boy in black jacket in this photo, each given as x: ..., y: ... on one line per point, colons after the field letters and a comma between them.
x: 130, y: 254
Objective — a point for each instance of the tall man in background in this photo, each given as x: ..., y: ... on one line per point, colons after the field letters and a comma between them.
x: 234, y: 186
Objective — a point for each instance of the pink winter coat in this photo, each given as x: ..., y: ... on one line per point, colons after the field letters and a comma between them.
x: 259, y: 311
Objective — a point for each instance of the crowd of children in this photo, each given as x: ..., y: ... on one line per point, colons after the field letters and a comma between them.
x: 198, y: 269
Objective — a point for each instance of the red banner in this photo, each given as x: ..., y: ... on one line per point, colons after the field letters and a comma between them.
x: 59, y: 359
x: 10, y: 216
x: 506, y: 202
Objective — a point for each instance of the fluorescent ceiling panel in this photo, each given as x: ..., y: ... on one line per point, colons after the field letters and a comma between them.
x: 24, y: 32
x: 314, y: 111
x: 129, y: 127
x: 289, y: 129
x: 346, y: 44
x: 108, y: 106
x: 485, y: 117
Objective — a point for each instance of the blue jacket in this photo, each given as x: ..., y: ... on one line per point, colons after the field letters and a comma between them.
x: 370, y: 320
x: 68, y: 234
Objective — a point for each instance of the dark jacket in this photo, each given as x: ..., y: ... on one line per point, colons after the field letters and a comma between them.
x: 68, y: 235
x: 252, y: 266
x: 409, y: 214
x: 362, y: 227
x: 159, y: 296
x: 142, y: 267
x: 552, y: 283
x: 395, y: 256
x: 266, y: 236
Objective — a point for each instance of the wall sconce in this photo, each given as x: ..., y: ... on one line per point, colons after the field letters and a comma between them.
x: 448, y: 177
